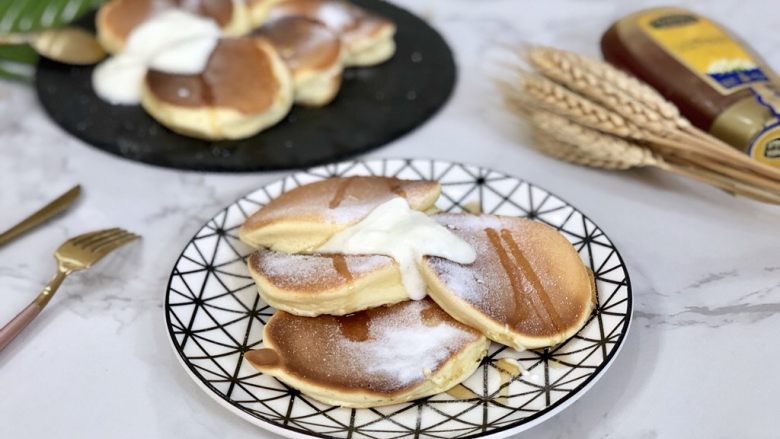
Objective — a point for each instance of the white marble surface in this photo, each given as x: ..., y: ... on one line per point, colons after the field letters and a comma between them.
x: 700, y: 360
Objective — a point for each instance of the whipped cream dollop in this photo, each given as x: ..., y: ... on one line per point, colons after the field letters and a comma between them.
x: 396, y: 230
x: 173, y: 41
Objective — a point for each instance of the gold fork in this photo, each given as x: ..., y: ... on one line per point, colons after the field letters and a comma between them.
x: 71, y: 45
x: 76, y: 254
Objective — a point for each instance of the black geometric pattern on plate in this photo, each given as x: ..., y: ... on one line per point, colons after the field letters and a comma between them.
x: 374, y: 106
x: 214, y: 315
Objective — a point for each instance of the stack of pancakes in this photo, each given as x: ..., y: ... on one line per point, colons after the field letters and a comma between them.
x: 273, y: 53
x: 346, y: 332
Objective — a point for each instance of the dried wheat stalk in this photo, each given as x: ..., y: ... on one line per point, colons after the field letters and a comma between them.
x: 581, y: 73
x: 609, y: 87
x: 610, y: 151
x: 606, y: 158
x: 611, y: 114
x: 539, y: 92
x: 637, y: 103
x: 574, y: 153
x: 544, y: 94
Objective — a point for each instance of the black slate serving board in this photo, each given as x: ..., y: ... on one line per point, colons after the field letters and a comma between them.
x: 375, y: 106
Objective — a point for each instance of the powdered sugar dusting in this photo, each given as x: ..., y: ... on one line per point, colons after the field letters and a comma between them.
x: 359, y: 196
x: 471, y: 284
x: 406, y: 361
x: 383, y: 350
x: 401, y: 347
x: 336, y: 16
x: 358, y: 264
x: 315, y: 271
x: 488, y: 287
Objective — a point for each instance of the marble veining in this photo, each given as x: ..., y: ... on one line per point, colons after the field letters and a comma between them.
x: 704, y: 265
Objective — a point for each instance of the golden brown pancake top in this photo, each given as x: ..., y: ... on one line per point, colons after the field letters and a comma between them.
x: 239, y: 75
x: 302, y: 43
x: 351, y: 22
x: 313, y: 273
x: 122, y: 16
x: 383, y: 350
x: 527, y: 275
x: 340, y: 200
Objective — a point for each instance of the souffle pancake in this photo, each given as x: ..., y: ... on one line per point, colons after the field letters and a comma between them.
x: 244, y: 88
x: 116, y: 19
x: 367, y: 37
x: 304, y: 218
x: 312, y: 52
x: 527, y: 289
x: 315, y: 284
x: 377, y: 357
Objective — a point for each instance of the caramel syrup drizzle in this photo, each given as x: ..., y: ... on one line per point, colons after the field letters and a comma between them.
x: 514, y: 279
x: 393, y: 185
x: 513, y: 271
x: 461, y: 392
x: 543, y: 295
x: 507, y: 370
x: 341, y: 192
x: 341, y: 267
x: 355, y: 326
x: 263, y: 358
x: 396, y: 187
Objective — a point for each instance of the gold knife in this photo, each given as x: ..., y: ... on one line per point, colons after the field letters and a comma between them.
x: 46, y: 212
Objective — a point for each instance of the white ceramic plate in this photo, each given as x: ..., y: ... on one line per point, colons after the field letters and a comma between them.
x: 214, y: 315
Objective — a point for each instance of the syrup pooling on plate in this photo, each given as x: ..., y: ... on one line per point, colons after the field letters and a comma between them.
x: 406, y: 235
x: 508, y: 369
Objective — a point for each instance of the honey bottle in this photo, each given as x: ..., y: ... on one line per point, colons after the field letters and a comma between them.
x: 715, y: 79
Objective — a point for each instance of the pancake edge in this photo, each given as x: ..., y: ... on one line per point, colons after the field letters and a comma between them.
x: 224, y: 123
x: 467, y: 314
x: 453, y: 372
x: 301, y: 235
x: 380, y: 287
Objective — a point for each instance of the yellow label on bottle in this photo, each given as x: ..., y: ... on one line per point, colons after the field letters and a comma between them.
x: 766, y: 146
x: 704, y: 47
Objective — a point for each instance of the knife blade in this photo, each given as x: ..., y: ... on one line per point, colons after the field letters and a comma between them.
x: 45, y: 213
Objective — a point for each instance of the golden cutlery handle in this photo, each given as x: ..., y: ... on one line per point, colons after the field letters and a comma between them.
x: 16, y: 39
x: 28, y: 314
x: 45, y: 213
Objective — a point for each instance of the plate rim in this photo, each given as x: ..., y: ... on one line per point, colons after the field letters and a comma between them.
x: 500, y: 432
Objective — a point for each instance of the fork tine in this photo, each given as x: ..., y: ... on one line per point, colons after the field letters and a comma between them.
x: 100, y: 240
x: 88, y: 238
x: 83, y: 237
x: 111, y: 245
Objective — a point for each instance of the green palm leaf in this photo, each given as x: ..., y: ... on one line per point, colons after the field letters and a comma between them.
x: 29, y: 16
